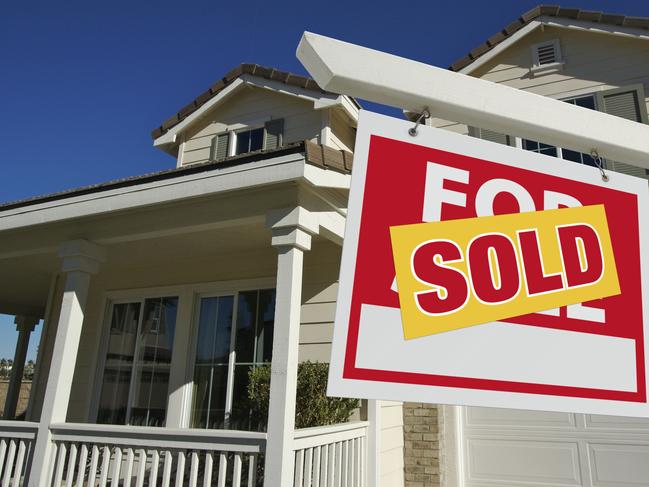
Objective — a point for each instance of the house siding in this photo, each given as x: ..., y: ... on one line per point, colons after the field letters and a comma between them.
x: 592, y: 62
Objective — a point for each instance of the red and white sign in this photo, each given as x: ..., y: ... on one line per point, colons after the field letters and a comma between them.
x: 587, y: 357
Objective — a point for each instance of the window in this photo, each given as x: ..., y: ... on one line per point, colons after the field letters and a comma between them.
x: 249, y: 140
x: 234, y: 334
x: 233, y: 143
x: 539, y: 147
x: 138, y: 358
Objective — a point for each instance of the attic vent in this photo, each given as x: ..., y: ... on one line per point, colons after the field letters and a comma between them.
x: 546, y: 54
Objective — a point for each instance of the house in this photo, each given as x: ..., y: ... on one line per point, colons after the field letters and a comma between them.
x: 145, y: 284
x: 599, y: 61
x: 160, y: 292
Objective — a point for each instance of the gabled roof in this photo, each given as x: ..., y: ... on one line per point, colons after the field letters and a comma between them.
x: 273, y: 74
x: 549, y: 11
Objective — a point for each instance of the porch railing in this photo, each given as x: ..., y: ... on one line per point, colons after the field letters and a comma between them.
x: 100, y: 455
x: 331, y: 456
x: 16, y: 444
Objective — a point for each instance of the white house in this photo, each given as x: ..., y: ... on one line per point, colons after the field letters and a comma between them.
x: 159, y: 293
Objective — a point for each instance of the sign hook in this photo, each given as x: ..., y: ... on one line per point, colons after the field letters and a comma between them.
x: 422, y: 116
x: 600, y: 164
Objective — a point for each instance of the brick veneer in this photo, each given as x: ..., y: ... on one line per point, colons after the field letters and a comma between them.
x: 421, y: 444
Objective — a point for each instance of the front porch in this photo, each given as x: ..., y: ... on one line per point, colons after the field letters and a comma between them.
x: 153, y: 315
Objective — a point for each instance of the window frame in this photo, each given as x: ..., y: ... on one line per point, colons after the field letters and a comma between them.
x: 231, y: 355
x: 234, y: 136
x: 127, y: 297
x: 179, y: 393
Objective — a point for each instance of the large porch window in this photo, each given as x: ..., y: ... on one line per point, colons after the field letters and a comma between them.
x: 138, y: 357
x: 235, y: 333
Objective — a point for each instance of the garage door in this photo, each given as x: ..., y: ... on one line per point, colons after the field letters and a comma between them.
x: 502, y: 447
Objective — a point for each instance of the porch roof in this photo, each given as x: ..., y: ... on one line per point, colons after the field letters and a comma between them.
x: 315, y: 154
x: 202, y: 210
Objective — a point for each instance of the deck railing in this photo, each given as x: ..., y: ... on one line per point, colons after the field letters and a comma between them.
x: 100, y: 455
x: 16, y: 444
x: 331, y: 456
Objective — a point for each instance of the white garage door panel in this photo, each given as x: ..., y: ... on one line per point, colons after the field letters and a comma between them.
x: 516, y: 418
x: 531, y: 462
x: 513, y: 448
x: 637, y: 425
x: 619, y: 465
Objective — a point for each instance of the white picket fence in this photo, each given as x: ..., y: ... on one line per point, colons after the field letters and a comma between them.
x: 16, y: 443
x: 331, y: 456
x: 100, y: 455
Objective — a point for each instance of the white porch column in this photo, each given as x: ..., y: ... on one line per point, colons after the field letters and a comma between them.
x: 292, y: 230
x: 24, y: 325
x: 80, y: 259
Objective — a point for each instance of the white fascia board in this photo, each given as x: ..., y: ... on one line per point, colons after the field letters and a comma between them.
x: 286, y: 89
x: 169, y: 137
x: 326, y: 178
x: 504, y: 45
x: 616, y: 30
x: 384, y: 78
x: 280, y: 169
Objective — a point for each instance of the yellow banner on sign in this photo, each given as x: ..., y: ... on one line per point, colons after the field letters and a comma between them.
x: 458, y: 273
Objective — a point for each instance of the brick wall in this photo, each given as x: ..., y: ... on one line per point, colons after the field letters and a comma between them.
x: 421, y: 444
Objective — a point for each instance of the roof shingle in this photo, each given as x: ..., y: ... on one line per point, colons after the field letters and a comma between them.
x: 251, y: 69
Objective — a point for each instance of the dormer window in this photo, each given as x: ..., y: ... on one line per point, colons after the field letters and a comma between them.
x: 243, y: 141
x: 546, y: 57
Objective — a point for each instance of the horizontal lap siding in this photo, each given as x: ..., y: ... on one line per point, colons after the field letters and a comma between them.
x: 319, y: 294
x: 250, y: 106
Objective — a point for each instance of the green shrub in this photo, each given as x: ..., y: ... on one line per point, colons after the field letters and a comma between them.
x: 313, y: 407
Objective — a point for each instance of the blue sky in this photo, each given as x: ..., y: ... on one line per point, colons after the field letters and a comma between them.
x: 82, y: 84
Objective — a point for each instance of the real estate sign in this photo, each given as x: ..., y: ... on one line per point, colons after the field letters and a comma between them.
x: 476, y: 273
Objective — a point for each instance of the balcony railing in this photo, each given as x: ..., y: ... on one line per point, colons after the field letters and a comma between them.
x: 99, y: 455
x: 328, y: 456
x: 16, y: 443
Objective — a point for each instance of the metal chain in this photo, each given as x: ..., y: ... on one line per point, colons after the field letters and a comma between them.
x: 600, y: 164
x: 422, y: 116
